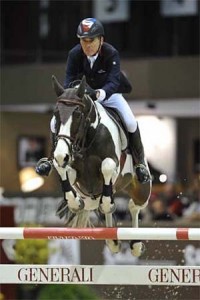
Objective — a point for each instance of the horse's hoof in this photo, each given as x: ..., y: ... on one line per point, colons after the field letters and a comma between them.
x: 113, y: 245
x: 104, y: 209
x: 82, y: 204
x: 137, y: 248
x: 79, y: 208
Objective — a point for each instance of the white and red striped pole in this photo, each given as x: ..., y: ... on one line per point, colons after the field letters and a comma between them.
x: 100, y: 233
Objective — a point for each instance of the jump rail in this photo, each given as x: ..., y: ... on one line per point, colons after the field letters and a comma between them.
x: 100, y: 233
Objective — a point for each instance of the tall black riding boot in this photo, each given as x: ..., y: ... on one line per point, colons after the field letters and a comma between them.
x: 44, y: 165
x: 137, y: 152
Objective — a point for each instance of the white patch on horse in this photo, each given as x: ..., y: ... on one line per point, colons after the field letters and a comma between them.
x: 96, y: 122
x: 62, y: 149
x: 71, y: 174
x: 109, y: 170
x: 112, y: 128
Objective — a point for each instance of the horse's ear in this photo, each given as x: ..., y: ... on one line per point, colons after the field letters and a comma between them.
x: 57, y: 86
x: 81, y: 89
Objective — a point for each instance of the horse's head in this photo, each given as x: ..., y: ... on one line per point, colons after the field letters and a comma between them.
x: 75, y: 96
x: 74, y: 111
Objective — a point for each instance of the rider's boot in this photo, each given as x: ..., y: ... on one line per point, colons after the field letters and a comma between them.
x: 44, y: 165
x: 137, y: 152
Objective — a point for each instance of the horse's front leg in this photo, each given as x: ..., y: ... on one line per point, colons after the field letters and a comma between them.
x: 71, y: 200
x: 107, y: 205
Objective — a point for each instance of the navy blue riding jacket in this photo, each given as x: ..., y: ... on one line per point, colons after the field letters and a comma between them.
x: 105, y: 73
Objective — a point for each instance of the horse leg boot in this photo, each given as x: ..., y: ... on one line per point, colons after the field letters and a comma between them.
x: 44, y: 165
x: 137, y: 152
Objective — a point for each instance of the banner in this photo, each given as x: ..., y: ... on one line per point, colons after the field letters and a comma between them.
x: 93, y: 274
x: 111, y: 10
x: 175, y: 8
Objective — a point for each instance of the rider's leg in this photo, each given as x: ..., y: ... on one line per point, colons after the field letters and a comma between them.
x: 137, y: 152
x: 135, y: 143
x: 44, y: 165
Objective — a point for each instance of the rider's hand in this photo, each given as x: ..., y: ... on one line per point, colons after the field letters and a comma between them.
x: 92, y: 93
x: 97, y: 94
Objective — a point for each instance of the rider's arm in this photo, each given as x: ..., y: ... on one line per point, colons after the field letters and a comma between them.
x: 72, y: 67
x: 113, y: 79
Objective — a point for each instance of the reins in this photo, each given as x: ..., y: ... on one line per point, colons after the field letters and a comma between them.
x: 69, y: 102
x: 77, y: 146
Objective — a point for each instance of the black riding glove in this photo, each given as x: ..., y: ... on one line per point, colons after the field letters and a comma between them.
x: 91, y: 92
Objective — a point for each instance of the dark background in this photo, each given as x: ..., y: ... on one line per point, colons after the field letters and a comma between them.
x: 146, y: 34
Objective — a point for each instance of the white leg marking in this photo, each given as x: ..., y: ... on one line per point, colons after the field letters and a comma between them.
x: 74, y: 203
x: 108, y: 168
x: 61, y: 171
x: 71, y: 175
x: 137, y: 247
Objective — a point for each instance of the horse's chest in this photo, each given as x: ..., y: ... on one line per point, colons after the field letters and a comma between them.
x: 89, y: 176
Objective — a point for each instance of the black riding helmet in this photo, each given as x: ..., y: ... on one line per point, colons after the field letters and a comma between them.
x: 90, y: 28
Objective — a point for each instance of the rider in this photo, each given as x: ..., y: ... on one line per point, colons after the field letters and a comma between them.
x: 100, y: 63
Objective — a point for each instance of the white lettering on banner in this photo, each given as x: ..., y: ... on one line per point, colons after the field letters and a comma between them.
x: 70, y: 237
x: 169, y: 275
x: 49, y: 274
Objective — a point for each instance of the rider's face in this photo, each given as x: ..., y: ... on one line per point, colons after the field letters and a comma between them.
x: 90, y: 46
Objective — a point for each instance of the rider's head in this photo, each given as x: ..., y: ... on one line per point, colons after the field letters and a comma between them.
x: 91, y: 34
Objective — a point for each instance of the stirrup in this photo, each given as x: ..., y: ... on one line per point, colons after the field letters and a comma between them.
x: 142, y: 173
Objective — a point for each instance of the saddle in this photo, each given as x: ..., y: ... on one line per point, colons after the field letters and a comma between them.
x: 115, y: 116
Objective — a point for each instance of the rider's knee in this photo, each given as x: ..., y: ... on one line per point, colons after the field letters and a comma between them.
x: 131, y: 124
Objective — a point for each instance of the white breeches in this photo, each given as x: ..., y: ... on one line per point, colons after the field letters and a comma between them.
x: 117, y: 101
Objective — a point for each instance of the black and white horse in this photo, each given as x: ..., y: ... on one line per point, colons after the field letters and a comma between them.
x: 91, y: 158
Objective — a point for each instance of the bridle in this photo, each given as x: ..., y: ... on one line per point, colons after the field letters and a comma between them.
x: 76, y: 144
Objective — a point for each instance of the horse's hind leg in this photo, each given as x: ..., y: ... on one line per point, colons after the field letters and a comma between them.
x: 137, y: 247
x: 107, y: 205
x: 140, y: 193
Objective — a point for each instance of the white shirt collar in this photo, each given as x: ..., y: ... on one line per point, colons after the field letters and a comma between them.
x: 93, y: 58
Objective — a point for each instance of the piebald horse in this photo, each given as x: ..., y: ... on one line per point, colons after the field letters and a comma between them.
x: 93, y: 163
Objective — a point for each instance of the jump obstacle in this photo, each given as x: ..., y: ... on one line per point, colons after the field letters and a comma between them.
x: 100, y: 233
x: 97, y: 275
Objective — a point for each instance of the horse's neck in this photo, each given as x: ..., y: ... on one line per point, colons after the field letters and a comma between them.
x: 97, y: 115
x: 101, y: 111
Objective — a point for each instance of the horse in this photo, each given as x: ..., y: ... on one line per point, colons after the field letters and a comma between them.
x: 93, y: 163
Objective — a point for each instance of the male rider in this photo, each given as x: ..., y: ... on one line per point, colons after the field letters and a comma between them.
x: 100, y: 63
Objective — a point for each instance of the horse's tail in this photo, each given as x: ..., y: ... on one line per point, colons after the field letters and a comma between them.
x: 78, y: 219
